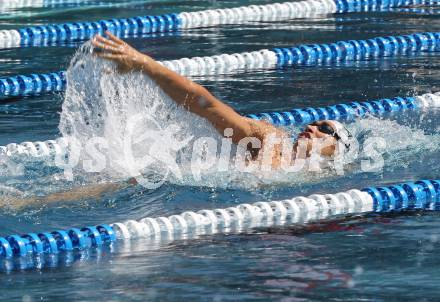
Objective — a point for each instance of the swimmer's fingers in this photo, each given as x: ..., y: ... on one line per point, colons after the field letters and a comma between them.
x: 106, y: 41
x: 107, y: 47
x: 114, y: 38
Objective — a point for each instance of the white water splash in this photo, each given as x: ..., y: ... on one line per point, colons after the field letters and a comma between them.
x: 100, y: 102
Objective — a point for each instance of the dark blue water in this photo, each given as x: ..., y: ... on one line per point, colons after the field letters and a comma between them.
x: 391, y: 258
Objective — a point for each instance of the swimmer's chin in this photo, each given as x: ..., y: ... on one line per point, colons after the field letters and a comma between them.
x: 304, y: 135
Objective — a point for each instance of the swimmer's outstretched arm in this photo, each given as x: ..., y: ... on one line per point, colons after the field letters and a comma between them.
x: 194, y: 97
x: 88, y: 191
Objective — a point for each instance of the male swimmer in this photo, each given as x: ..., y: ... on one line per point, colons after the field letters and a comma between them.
x: 332, y: 135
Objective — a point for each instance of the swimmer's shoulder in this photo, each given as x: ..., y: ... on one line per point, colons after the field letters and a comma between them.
x: 261, y: 129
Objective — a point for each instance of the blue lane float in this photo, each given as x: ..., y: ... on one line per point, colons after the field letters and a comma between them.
x: 340, y: 112
x: 54, y: 242
x: 12, y: 6
x: 295, y: 117
x: 419, y: 195
x: 32, y: 84
x: 350, y: 111
x: 176, y: 21
x: 312, y: 54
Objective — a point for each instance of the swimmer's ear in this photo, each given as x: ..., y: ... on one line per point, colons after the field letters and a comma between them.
x: 328, y: 146
x: 329, y: 150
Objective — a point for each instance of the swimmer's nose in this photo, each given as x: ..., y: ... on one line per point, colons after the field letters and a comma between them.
x: 311, y: 129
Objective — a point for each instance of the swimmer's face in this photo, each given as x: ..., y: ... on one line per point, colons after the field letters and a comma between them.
x: 323, y: 132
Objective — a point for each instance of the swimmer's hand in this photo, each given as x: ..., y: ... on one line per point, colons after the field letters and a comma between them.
x: 126, y: 57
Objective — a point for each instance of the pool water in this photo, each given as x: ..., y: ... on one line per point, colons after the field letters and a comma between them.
x: 371, y: 258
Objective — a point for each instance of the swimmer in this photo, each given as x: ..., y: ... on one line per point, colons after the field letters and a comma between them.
x: 198, y: 100
x: 331, y: 134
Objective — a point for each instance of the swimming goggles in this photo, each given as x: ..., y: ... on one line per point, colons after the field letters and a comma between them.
x: 327, y: 129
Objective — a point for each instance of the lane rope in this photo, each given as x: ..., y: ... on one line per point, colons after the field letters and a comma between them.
x: 185, y: 20
x: 419, y: 195
x: 295, y: 117
x: 312, y: 54
x: 349, y: 111
x: 9, y: 5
